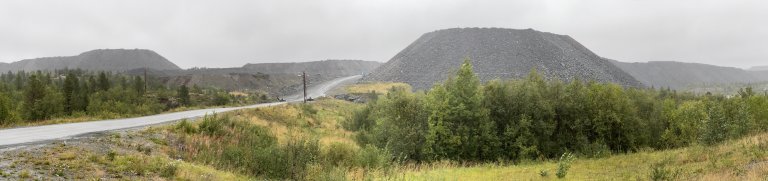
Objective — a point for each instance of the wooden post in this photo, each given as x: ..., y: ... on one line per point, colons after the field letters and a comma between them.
x: 304, y: 77
x: 145, y: 79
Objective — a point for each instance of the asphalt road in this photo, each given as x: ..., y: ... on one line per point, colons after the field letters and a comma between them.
x: 27, y: 135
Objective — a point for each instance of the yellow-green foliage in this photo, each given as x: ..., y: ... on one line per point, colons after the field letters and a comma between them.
x: 744, y: 159
x: 294, y: 141
x: 378, y: 87
x: 320, y: 119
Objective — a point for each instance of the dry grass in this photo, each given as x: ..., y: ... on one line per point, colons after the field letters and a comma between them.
x: 290, y: 121
x: 190, y: 171
x: 379, y: 87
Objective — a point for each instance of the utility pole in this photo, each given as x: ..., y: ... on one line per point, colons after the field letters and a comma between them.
x: 304, y: 77
x: 145, y: 78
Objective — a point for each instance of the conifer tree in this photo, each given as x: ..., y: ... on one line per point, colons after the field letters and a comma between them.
x: 183, y: 95
x: 70, y: 88
x: 104, y: 84
x: 34, y: 92
x: 138, y: 85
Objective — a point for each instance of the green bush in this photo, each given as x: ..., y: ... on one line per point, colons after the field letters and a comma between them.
x: 169, y: 170
x: 660, y: 172
x: 360, y: 119
x: 185, y: 127
x: 543, y: 173
x: 221, y: 98
x: 564, y: 164
x: 111, y: 155
x: 213, y: 125
x: 298, y: 154
x: 340, y: 155
x: 596, y: 150
x: 370, y: 157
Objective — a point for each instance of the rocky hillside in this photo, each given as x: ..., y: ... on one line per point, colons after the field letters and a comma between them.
x: 329, y: 68
x: 497, y: 54
x: 678, y: 75
x: 101, y: 60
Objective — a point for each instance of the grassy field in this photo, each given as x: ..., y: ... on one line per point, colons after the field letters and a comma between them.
x: 744, y: 159
x: 378, y: 87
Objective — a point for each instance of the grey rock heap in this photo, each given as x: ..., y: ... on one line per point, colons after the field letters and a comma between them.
x: 497, y: 53
x: 100, y: 60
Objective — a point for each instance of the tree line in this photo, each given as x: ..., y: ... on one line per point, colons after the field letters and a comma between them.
x: 534, y: 118
x: 39, y: 95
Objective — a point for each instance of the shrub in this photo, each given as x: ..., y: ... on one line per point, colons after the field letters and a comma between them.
x: 544, y: 173
x: 371, y: 157
x: 111, y: 155
x: 169, y: 170
x: 221, y: 98
x: 564, y: 164
x: 359, y: 120
x: 213, y: 126
x: 596, y: 150
x: 24, y: 174
x: 298, y: 154
x: 340, y: 154
x: 185, y: 127
x: 659, y: 171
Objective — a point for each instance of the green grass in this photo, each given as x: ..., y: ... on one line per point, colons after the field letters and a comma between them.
x: 743, y: 159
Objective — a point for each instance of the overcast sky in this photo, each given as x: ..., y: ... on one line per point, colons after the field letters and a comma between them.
x: 226, y: 33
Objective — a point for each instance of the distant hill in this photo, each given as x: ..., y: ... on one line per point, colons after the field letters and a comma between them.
x: 679, y: 74
x: 497, y: 53
x: 759, y: 68
x: 101, y: 60
x: 275, y: 84
x: 331, y: 68
x: 274, y: 78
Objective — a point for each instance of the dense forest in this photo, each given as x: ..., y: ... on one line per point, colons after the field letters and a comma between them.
x: 34, y: 96
x: 533, y: 118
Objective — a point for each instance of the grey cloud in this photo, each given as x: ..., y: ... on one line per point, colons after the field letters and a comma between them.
x: 232, y: 32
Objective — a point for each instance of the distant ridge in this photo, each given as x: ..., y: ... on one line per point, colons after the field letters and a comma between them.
x: 323, y: 67
x: 100, y: 60
x: 759, y: 68
x: 680, y: 74
x: 497, y: 53
x: 275, y: 78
